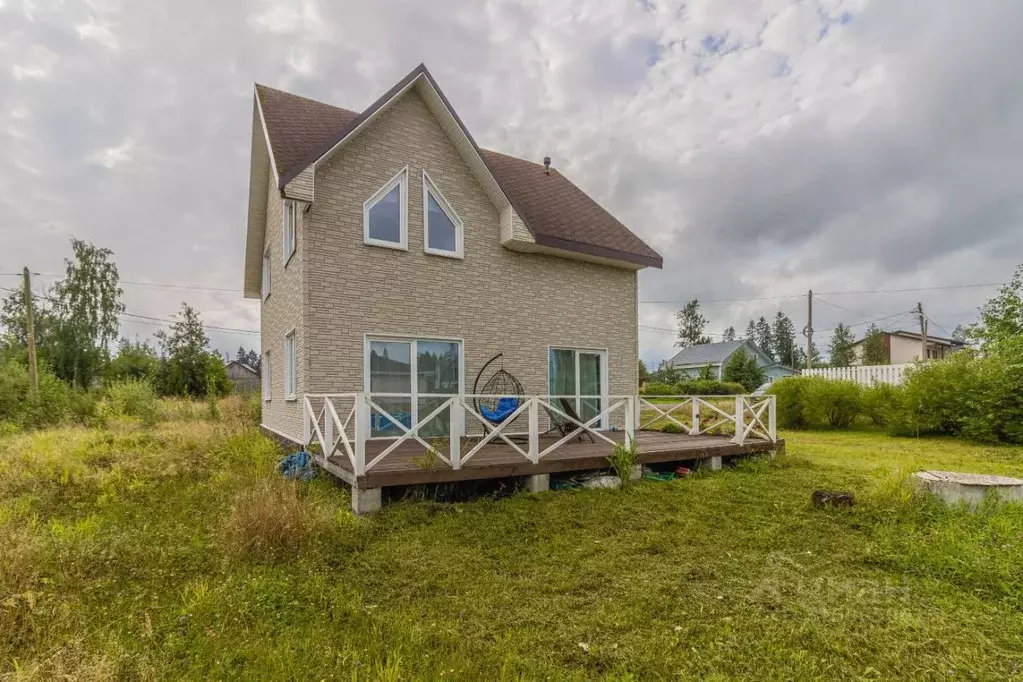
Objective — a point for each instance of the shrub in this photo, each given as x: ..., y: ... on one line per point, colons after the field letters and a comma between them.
x: 878, y: 402
x: 672, y: 427
x: 271, y: 523
x: 791, y: 395
x: 657, y: 388
x: 708, y: 387
x: 16, y: 405
x: 695, y: 387
x: 83, y: 406
x: 835, y: 403
x: 132, y: 398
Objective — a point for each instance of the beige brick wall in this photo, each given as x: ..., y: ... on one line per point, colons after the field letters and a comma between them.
x: 280, y: 313
x: 496, y: 300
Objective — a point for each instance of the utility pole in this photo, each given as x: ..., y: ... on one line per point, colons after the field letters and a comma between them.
x: 808, y: 330
x: 30, y: 337
x: 923, y: 331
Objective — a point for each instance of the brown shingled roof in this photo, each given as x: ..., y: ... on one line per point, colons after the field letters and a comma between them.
x: 297, y: 125
x: 556, y: 212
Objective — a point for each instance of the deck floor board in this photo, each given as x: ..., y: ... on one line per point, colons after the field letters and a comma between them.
x: 406, y: 465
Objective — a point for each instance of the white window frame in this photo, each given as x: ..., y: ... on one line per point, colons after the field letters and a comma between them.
x: 265, y: 369
x: 289, y: 229
x: 413, y: 340
x: 429, y: 187
x: 290, y: 366
x: 267, y: 281
x: 604, y: 384
x: 399, y: 180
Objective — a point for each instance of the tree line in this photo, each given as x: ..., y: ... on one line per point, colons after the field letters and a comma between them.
x: 778, y: 338
x: 76, y: 324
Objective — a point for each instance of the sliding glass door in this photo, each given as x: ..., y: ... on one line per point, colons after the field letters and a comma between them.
x: 579, y: 374
x: 391, y: 365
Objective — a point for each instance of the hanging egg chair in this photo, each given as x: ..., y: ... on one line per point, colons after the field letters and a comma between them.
x: 502, y: 390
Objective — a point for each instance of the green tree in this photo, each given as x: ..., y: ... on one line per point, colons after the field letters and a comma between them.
x: 691, y: 325
x: 1001, y: 318
x: 729, y: 334
x: 783, y: 335
x: 644, y: 375
x: 762, y: 336
x: 743, y: 368
x: 960, y: 335
x: 188, y: 367
x: 248, y: 357
x: 14, y: 340
x: 134, y: 360
x: 874, y: 350
x: 841, y: 348
x: 87, y: 303
x: 751, y: 331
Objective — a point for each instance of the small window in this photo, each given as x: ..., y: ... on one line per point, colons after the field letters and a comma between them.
x: 442, y: 227
x: 288, y: 223
x: 265, y: 368
x: 384, y: 215
x: 266, y: 273
x: 290, y: 366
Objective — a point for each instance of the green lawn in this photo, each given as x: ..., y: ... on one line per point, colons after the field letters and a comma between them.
x: 122, y: 555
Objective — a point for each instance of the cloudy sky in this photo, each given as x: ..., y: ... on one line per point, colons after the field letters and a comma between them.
x: 765, y: 147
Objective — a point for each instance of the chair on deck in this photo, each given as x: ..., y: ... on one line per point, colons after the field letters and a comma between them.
x: 564, y: 426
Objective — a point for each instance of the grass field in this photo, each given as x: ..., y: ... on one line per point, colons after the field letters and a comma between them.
x: 175, y: 552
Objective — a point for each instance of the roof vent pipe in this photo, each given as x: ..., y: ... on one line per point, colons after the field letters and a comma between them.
x: 547, y: 165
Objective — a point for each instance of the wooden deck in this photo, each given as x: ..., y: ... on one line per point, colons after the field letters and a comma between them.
x: 406, y: 465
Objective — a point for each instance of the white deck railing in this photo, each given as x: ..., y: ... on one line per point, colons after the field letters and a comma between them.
x: 342, y: 423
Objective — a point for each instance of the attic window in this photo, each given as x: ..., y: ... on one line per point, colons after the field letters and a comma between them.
x: 384, y: 215
x: 443, y: 229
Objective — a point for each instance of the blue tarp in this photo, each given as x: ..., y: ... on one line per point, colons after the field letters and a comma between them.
x: 505, y: 406
x: 299, y: 465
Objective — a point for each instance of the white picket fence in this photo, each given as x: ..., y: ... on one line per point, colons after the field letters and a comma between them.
x: 865, y: 375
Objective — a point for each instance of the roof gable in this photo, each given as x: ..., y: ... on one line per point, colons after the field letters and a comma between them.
x: 301, y: 132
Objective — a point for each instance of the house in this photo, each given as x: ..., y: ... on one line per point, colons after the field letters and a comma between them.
x: 904, y: 347
x: 697, y: 360
x: 244, y: 378
x: 397, y: 262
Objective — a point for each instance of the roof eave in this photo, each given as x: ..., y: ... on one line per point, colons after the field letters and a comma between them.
x: 260, y: 171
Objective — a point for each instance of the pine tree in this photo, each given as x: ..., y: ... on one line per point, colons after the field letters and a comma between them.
x: 729, y: 334
x: 691, y: 325
x: 762, y: 336
x: 751, y: 331
x: 841, y: 349
x: 874, y: 350
x: 784, y: 338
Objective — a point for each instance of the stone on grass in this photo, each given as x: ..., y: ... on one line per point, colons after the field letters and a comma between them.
x: 832, y: 498
x: 954, y: 487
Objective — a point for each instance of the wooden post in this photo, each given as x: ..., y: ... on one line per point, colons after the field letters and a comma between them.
x: 534, y: 429
x: 30, y: 338
x: 809, y: 329
x: 455, y: 432
x: 772, y: 417
x: 362, y: 426
x: 328, y: 430
x: 630, y: 420
x: 694, y: 430
x: 740, y: 425
x: 923, y: 331
x: 307, y: 415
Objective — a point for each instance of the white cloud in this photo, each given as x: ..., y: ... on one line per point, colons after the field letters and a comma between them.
x: 99, y: 31
x: 112, y: 156
x: 39, y: 63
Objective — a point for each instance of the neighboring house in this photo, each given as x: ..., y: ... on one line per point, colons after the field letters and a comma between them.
x: 903, y: 347
x: 392, y: 254
x: 243, y: 377
x: 695, y: 360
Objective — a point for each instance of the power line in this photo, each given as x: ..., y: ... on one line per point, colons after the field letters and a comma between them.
x: 144, y: 319
x: 827, y: 293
